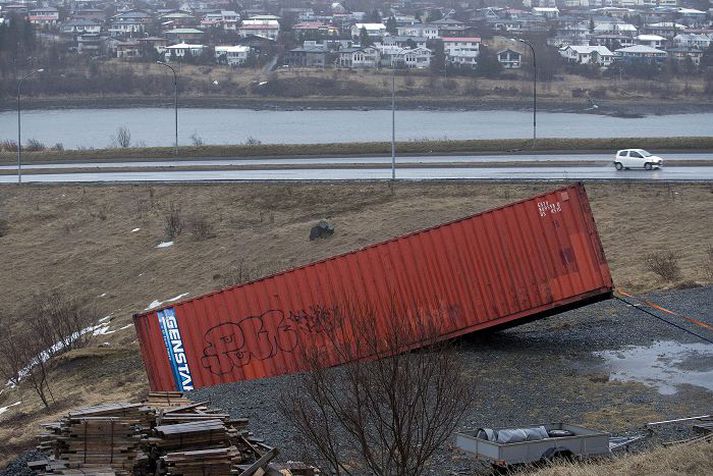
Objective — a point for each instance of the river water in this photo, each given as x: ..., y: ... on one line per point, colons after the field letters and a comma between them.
x: 155, y: 126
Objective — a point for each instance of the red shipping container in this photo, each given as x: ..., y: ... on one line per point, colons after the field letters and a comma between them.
x: 501, y: 267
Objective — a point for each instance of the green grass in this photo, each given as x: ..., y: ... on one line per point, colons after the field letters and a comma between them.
x: 370, y: 148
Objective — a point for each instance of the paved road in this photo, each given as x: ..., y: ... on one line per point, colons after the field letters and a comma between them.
x: 673, y: 173
x: 587, y: 159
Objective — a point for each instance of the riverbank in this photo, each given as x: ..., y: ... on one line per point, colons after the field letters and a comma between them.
x: 467, y: 147
x: 634, y: 107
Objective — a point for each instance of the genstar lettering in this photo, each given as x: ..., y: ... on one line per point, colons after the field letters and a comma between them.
x: 176, y: 353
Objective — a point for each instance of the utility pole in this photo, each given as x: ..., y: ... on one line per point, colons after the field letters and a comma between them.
x: 19, y: 125
x: 175, y: 98
x: 393, y: 122
x: 534, y: 92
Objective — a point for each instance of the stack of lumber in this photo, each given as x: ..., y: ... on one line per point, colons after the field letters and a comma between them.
x: 165, y: 435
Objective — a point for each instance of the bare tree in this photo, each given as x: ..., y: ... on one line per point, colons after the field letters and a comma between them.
x: 387, y: 410
x: 122, y: 138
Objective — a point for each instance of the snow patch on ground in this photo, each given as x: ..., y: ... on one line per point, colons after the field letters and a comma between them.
x: 126, y: 327
x: 164, y: 244
x: 135, y: 230
x: 4, y: 409
x: 102, y: 295
x: 105, y: 318
x: 156, y: 303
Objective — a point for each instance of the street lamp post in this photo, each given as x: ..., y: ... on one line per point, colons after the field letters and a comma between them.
x: 175, y: 97
x: 19, y: 125
x: 534, y: 91
x: 393, y: 122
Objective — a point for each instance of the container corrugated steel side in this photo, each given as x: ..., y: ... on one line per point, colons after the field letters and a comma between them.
x: 517, y: 262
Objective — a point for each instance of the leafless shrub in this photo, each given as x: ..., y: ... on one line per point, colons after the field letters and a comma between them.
x: 386, y: 411
x: 58, y: 147
x: 55, y: 324
x: 101, y: 213
x: 8, y: 145
x: 173, y: 222
x: 665, y: 264
x: 122, y: 138
x: 252, y: 141
x: 239, y: 274
x: 196, y: 139
x: 201, y: 229
x: 33, y: 145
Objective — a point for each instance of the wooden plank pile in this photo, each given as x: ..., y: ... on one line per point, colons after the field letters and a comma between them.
x: 165, y: 435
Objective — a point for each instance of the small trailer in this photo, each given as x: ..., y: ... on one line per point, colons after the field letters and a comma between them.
x: 502, y: 446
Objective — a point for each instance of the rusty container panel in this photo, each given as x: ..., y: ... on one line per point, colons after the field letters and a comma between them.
x: 500, y: 267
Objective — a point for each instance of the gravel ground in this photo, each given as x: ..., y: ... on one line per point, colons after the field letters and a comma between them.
x: 18, y: 467
x: 543, y: 371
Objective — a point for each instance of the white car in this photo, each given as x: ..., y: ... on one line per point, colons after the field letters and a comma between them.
x: 637, y: 158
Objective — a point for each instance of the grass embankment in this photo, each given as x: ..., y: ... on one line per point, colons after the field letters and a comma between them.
x: 689, y: 460
x: 78, y: 240
x: 369, y: 148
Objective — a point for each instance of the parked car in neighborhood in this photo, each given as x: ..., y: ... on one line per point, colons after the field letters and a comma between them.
x: 636, y: 158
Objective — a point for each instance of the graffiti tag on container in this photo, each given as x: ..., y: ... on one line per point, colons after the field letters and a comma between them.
x: 547, y: 207
x: 235, y: 344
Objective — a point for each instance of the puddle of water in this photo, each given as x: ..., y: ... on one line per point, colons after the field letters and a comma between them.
x: 663, y: 365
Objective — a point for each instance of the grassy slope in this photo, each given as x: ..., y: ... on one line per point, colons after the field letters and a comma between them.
x: 78, y: 239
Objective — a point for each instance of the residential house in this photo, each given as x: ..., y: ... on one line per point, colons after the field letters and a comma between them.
x: 46, y: 16
x: 665, y: 29
x: 509, y: 59
x: 462, y: 52
x: 364, y: 57
x: 584, y: 54
x: 127, y: 49
x: 654, y: 41
x: 178, y: 20
x: 232, y: 55
x: 78, y: 26
x: 308, y: 56
x: 449, y: 27
x: 421, y: 30
x: 91, y: 44
x: 613, y: 42
x: 683, y: 54
x: 315, y: 29
x: 129, y: 23
x: 404, y: 41
x: 550, y: 13
x: 416, y: 58
x: 156, y: 43
x: 690, y: 40
x: 225, y: 19
x: 265, y: 26
x: 184, y: 34
x: 640, y: 53
x: 374, y: 30
x: 181, y: 50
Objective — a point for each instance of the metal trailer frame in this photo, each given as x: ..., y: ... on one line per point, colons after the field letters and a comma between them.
x: 585, y: 443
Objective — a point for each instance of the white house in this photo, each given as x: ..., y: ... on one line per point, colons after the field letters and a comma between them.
x: 416, y: 58
x: 600, y: 55
x: 420, y: 30
x: 654, y: 41
x: 462, y: 52
x: 182, y: 49
x: 374, y: 30
x: 43, y: 16
x: 641, y: 53
x: 690, y: 40
x: 226, y: 19
x: 232, y: 55
x: 551, y: 13
x: 366, y: 57
x: 265, y: 26
x: 80, y: 26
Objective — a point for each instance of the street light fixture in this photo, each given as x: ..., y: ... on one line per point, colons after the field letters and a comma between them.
x: 393, y: 122
x: 175, y: 98
x: 534, y: 91
x: 19, y: 124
